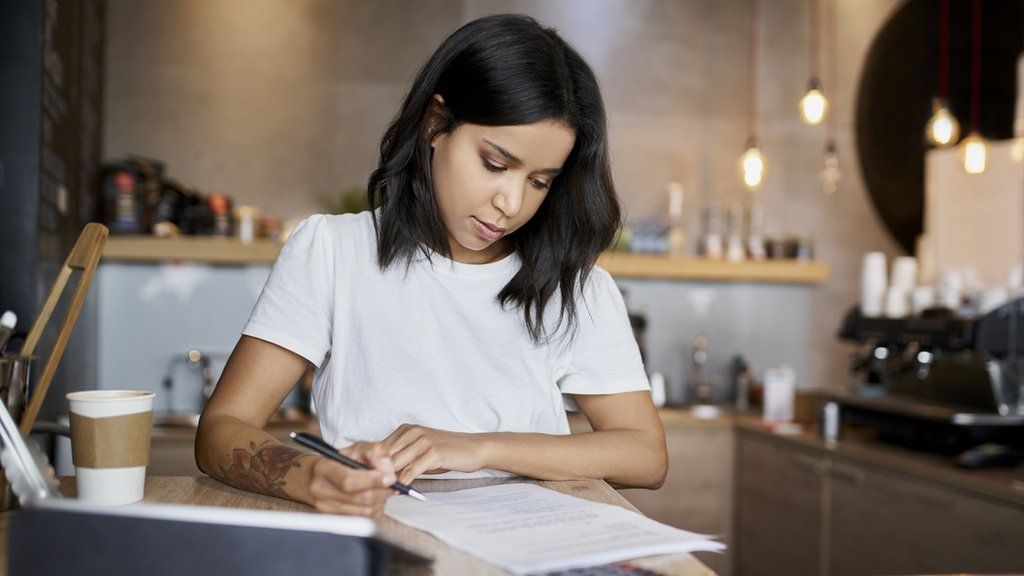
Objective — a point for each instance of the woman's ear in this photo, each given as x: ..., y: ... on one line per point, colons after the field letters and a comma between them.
x: 438, y: 119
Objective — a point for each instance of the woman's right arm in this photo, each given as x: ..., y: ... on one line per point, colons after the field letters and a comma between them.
x: 233, y: 446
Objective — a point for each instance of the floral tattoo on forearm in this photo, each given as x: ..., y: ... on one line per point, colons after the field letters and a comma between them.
x: 261, y: 468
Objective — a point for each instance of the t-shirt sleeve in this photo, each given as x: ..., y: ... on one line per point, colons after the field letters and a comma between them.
x: 603, y: 357
x: 295, y: 310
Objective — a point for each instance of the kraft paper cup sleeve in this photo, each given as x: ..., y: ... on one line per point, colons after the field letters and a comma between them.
x: 112, y: 442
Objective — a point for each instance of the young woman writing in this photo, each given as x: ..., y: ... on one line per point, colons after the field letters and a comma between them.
x: 452, y: 325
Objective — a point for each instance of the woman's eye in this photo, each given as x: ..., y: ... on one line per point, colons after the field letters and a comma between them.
x: 493, y: 167
x: 540, y: 185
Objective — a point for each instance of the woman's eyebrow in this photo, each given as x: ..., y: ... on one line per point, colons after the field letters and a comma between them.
x: 516, y: 160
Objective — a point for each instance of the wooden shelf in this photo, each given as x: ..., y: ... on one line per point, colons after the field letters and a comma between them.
x: 657, y: 267
x: 229, y: 251
x: 204, y: 249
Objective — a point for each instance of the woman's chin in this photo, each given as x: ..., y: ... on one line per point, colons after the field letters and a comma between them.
x: 475, y: 243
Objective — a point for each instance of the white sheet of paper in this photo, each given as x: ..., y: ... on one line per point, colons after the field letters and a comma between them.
x: 525, y: 528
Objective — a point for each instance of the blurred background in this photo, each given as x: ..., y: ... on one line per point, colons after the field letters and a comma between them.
x: 824, y: 217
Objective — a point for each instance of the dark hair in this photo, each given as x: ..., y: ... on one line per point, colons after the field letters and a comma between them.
x: 504, y: 70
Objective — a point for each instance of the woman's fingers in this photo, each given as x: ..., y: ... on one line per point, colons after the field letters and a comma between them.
x: 381, y: 462
x: 411, y: 452
x: 337, y: 489
x: 402, y: 436
x: 373, y: 454
x: 426, y: 460
x: 348, y: 479
x: 370, y: 497
x: 364, y: 451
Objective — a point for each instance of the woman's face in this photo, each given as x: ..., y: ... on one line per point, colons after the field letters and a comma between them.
x: 490, y: 180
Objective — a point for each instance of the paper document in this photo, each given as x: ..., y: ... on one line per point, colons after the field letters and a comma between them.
x: 525, y: 528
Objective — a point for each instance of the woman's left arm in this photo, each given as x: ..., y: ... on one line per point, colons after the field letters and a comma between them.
x: 625, y: 448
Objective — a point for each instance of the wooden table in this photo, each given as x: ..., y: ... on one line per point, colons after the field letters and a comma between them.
x: 206, y: 491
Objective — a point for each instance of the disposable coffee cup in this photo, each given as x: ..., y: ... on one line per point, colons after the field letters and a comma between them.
x: 110, y: 436
x: 904, y: 273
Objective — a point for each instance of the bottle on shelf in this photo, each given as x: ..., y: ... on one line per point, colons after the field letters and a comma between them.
x: 755, y: 239
x: 713, y: 232
x: 220, y: 205
x: 735, y: 251
x: 676, y: 227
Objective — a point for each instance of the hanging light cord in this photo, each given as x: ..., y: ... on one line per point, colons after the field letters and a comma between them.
x: 944, y: 49
x: 815, y: 42
x: 976, y: 69
x: 752, y: 71
x: 833, y: 71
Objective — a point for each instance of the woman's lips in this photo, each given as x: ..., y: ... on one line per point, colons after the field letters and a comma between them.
x: 486, y: 231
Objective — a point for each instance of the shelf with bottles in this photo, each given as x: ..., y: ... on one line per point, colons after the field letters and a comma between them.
x: 231, y: 251
x: 628, y: 265
x: 730, y: 248
x: 202, y: 249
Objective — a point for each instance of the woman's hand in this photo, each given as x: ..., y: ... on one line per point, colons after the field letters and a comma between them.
x: 338, y: 489
x: 417, y: 449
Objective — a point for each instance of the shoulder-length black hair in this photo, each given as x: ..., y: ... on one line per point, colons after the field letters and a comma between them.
x: 499, y: 71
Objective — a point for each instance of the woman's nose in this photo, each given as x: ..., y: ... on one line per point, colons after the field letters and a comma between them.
x: 509, y: 199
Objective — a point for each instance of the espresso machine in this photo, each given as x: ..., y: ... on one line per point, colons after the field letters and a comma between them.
x: 936, y: 381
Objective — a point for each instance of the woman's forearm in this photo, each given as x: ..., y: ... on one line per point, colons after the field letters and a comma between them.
x: 633, y: 458
x: 250, y: 459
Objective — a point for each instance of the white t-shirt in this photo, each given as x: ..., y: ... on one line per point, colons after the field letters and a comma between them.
x: 430, y: 344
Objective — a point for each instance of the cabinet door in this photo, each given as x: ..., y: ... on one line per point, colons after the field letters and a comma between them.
x: 697, y: 492
x: 778, y: 509
x: 884, y: 523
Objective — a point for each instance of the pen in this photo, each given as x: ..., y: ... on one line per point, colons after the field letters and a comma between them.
x: 317, y: 444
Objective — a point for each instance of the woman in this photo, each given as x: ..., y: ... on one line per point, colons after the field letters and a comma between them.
x: 448, y: 326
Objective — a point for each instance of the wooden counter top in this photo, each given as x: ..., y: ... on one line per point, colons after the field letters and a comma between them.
x: 1004, y: 485
x: 231, y: 252
x: 206, y: 491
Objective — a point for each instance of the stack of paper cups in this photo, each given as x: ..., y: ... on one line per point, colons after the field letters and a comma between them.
x: 950, y: 289
x: 922, y: 298
x: 873, y: 283
x: 902, y: 284
x: 897, y: 302
x: 904, y: 273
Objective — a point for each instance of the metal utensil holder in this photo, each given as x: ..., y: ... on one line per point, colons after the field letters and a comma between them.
x: 15, y: 375
x: 15, y: 382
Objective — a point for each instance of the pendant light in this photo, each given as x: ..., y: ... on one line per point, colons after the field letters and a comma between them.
x: 830, y: 174
x: 942, y: 128
x: 974, y: 148
x: 975, y: 153
x: 813, y: 105
x: 752, y: 165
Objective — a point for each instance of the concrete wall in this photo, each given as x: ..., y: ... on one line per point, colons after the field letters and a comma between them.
x: 277, y: 103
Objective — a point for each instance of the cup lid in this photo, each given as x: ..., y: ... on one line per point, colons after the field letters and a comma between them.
x: 109, y: 395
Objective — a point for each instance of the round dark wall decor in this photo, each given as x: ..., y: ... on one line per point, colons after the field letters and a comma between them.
x: 901, y: 77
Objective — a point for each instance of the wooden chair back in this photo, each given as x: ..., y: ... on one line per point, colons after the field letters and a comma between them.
x: 84, y: 258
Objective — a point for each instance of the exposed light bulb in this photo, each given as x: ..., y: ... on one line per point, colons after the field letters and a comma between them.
x: 813, y: 105
x: 974, y: 150
x: 942, y: 128
x: 752, y: 166
x: 830, y: 175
